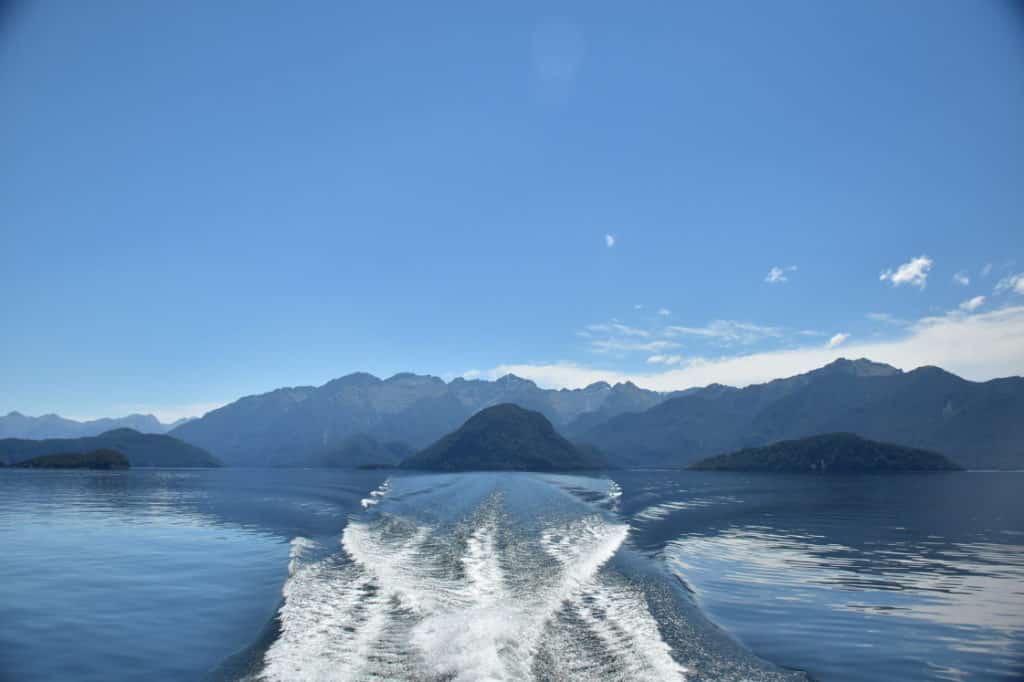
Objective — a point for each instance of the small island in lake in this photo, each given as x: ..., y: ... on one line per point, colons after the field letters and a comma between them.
x: 97, y: 459
x: 829, y: 453
x: 505, y: 437
x: 142, y: 449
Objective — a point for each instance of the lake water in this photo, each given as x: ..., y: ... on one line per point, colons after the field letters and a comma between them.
x: 313, y: 574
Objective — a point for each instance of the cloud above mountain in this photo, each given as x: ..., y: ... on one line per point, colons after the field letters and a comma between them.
x: 837, y: 340
x: 949, y: 341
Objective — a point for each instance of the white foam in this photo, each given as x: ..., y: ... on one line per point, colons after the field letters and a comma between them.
x: 375, y: 495
x: 478, y: 602
x: 614, y: 490
x: 300, y: 547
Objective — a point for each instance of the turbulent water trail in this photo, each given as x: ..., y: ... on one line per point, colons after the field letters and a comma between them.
x: 492, y: 579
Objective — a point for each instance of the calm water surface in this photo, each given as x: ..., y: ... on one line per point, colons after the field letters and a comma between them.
x: 301, y: 574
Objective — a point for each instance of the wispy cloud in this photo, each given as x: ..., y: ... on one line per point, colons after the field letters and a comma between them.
x: 914, y: 272
x: 962, y: 278
x: 1014, y: 283
x: 664, y: 312
x: 728, y: 332
x: 664, y: 359
x: 888, y: 319
x: 609, y: 240
x: 973, y: 304
x: 986, y: 269
x: 837, y: 340
x: 777, y: 275
x: 610, y: 345
x: 617, y: 328
x: 949, y: 341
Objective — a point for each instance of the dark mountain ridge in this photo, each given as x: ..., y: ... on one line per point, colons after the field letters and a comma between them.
x: 505, y: 437
x: 976, y: 424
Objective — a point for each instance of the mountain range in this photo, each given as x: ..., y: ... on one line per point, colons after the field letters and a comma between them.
x: 310, y: 422
x: 361, y: 419
x: 18, y: 425
x: 977, y: 424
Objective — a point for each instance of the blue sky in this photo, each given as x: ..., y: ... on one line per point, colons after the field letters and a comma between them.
x: 204, y: 200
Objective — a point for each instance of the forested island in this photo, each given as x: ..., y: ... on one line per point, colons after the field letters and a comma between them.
x: 505, y: 437
x: 97, y: 459
x: 141, y: 449
x: 829, y: 453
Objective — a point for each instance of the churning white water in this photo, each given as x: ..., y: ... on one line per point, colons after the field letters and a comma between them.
x: 505, y: 582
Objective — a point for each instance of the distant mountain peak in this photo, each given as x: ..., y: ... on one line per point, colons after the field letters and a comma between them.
x: 512, y: 379
x: 355, y: 379
x: 598, y: 386
x: 861, y: 367
x: 412, y: 376
x: 18, y: 425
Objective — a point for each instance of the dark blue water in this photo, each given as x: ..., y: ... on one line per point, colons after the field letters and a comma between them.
x: 302, y: 574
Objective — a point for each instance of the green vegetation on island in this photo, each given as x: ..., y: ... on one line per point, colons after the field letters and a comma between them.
x: 141, y: 449
x: 97, y: 459
x: 829, y: 453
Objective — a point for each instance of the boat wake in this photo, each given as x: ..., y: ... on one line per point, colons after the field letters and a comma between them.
x: 510, y: 581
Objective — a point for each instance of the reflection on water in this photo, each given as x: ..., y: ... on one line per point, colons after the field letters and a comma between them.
x: 149, y: 574
x: 857, y: 578
x: 334, y: 574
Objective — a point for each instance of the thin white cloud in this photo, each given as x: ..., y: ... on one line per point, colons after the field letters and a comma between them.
x: 609, y: 240
x: 638, y: 306
x: 973, y: 304
x: 962, y: 278
x: 949, y: 341
x: 610, y: 345
x: 664, y: 312
x: 914, y: 272
x: 728, y: 332
x: 1014, y: 283
x: 777, y: 275
x: 664, y: 359
x: 617, y: 328
x: 888, y: 319
x: 986, y: 269
x: 837, y: 340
